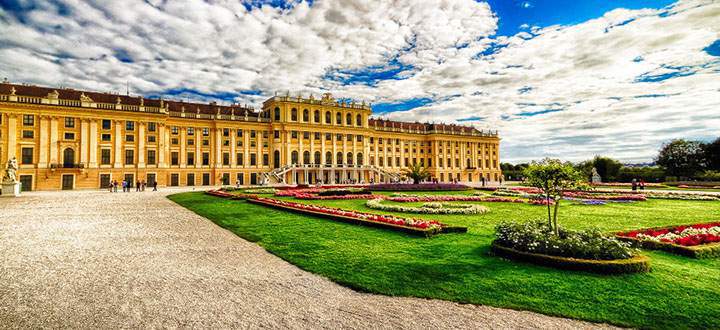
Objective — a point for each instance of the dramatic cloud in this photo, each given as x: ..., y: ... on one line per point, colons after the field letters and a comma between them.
x: 617, y: 85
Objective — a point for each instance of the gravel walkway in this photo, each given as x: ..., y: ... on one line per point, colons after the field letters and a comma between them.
x: 87, y: 259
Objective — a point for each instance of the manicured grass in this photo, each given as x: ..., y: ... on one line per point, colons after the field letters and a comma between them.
x: 679, y: 293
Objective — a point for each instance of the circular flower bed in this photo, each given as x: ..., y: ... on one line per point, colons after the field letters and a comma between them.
x: 429, y: 208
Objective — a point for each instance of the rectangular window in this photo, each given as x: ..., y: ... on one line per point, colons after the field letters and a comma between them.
x: 226, y: 132
x: 328, y: 136
x: 239, y: 159
x: 252, y: 134
x: 253, y: 159
x: 276, y: 134
x: 293, y: 134
x: 317, y: 135
x: 27, y: 156
x: 174, y: 130
x: 151, y: 138
x: 359, y: 138
x: 105, y: 156
x: 174, y: 158
x: 190, y: 131
x: 69, y: 122
x: 226, y: 159
x: 129, y: 138
x: 239, y: 132
x: 191, y: 158
x: 206, y: 142
x: 28, y: 120
x: 69, y: 136
x: 206, y: 131
x: 152, y: 127
x: 151, y: 157
x: 206, y: 158
x: 129, y: 157
x: 206, y: 179
x: 174, y: 141
x: 306, y: 135
x: 191, y: 142
x: 106, y: 124
x: 129, y: 125
x: 106, y: 137
x: 190, y: 179
x: 349, y: 137
x: 27, y: 134
x: 266, y: 160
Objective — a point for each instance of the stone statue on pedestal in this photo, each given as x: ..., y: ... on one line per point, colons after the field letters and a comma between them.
x: 595, y: 176
x: 10, y: 184
x: 10, y: 175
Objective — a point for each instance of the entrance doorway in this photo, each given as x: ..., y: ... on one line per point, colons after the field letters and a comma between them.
x: 104, y: 181
x: 68, y: 181
x: 226, y: 179
x: 129, y: 178
x: 150, y: 179
x: 175, y: 180
x: 69, y: 158
x: 26, y: 182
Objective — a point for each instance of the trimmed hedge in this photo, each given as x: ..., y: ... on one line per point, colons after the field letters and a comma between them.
x: 698, y: 251
x: 637, y: 264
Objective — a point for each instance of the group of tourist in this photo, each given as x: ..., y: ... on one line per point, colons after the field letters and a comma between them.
x: 638, y: 184
x: 127, y: 185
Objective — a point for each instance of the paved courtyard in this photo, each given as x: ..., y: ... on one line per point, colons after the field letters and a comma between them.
x: 87, y: 259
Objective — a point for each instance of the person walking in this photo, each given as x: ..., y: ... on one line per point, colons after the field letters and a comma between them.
x: 124, y: 185
x: 137, y: 186
x: 154, y: 184
x: 634, y: 185
x: 110, y: 186
x: 642, y: 184
x: 115, y: 185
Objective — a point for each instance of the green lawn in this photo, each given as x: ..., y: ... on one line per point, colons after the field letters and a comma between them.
x: 678, y: 293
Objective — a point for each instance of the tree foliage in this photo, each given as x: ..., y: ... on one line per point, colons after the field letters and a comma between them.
x: 554, y: 177
x: 712, y: 155
x: 416, y: 172
x: 682, y: 158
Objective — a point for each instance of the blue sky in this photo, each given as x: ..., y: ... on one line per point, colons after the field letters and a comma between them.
x: 567, y: 79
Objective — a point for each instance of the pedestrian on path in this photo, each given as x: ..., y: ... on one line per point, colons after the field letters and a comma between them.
x: 154, y: 184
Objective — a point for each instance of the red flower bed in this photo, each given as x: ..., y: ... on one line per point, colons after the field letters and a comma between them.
x: 425, y: 227
x: 417, y: 187
x: 312, y: 194
x: 691, y: 235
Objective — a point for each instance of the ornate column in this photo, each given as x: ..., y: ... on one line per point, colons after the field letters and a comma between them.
x: 141, y: 144
x: 12, y: 137
x: 218, y: 147
x: 322, y: 149
x: 288, y: 150
x: 44, y: 145
x: 183, y: 147
x: 233, y: 156
x: 161, y: 146
x: 198, y: 150
x: 118, y: 143
x: 93, y: 144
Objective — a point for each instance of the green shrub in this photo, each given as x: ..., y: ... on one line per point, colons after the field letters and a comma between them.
x: 538, y: 237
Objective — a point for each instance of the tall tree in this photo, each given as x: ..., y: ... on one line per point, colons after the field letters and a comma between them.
x: 682, y: 158
x: 554, y: 177
x: 607, y: 168
x: 712, y: 155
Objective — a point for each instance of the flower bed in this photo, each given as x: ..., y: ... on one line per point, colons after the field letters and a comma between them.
x: 417, y: 187
x: 410, y: 225
x: 607, y: 197
x: 698, y: 240
x: 429, y: 208
x: 587, y: 250
x: 626, y: 184
x: 681, y: 196
x: 453, y: 198
x: 322, y: 194
x: 225, y: 194
x: 344, y: 192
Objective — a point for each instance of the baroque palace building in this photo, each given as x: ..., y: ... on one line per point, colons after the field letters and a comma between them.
x: 71, y: 139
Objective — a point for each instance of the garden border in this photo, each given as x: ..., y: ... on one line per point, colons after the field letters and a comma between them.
x: 411, y: 230
x: 636, y: 264
x: 711, y: 250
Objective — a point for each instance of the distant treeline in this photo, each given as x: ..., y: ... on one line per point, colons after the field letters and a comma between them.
x: 677, y: 160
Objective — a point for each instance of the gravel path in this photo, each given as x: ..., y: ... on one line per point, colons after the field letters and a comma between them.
x: 87, y: 259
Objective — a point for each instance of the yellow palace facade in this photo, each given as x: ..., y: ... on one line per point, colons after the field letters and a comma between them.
x: 71, y: 139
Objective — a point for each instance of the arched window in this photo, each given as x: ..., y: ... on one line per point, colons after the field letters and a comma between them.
x: 306, y: 115
x: 358, y: 120
x: 328, y: 118
x: 68, y: 157
x: 349, y: 158
x: 306, y: 157
x: 294, y: 157
x: 348, y: 119
x: 360, y: 158
x: 338, y: 118
x: 293, y: 114
x: 317, y: 116
x: 277, y: 113
x: 317, y: 158
x: 339, y: 159
x: 276, y: 158
x: 328, y: 157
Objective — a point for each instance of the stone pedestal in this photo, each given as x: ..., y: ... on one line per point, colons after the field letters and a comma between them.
x: 10, y: 189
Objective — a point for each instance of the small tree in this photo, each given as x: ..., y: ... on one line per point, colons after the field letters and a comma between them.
x: 553, y: 177
x: 416, y: 172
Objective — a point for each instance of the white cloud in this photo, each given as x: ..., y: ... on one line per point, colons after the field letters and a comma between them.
x: 588, y: 70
